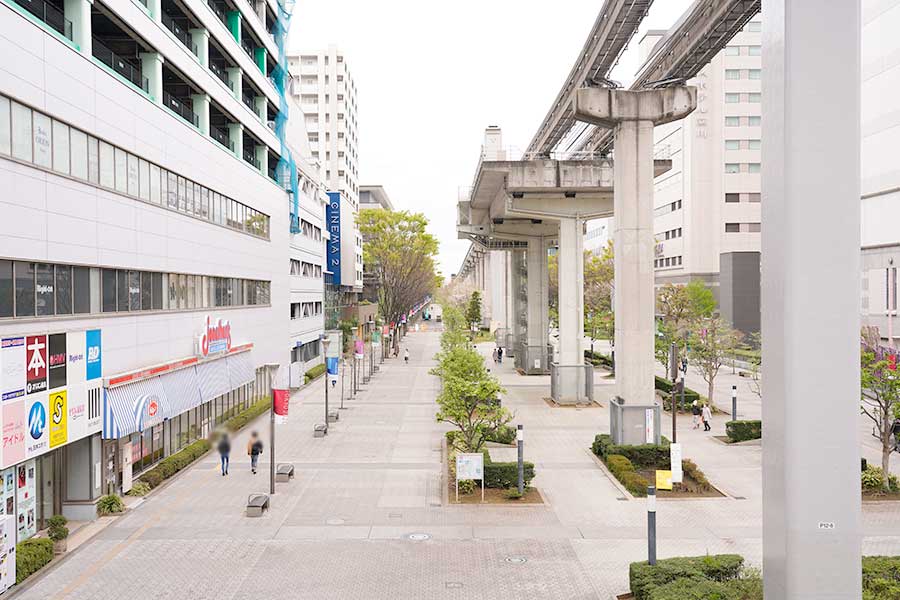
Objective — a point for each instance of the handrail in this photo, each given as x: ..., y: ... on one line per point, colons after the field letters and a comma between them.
x: 218, y: 11
x: 220, y: 73
x: 119, y: 65
x: 180, y: 108
x: 49, y: 14
x: 183, y: 36
x: 222, y: 137
x: 250, y: 156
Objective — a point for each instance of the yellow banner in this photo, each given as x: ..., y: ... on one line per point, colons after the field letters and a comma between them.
x: 663, y: 480
x: 58, y: 418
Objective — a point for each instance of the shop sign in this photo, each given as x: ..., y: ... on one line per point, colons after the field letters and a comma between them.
x: 359, y: 349
x: 281, y: 401
x: 76, y: 413
x: 36, y: 442
x: 151, y: 411
x: 56, y: 360
x: 76, y: 359
x: 35, y: 363
x: 664, y: 480
x: 216, y: 337
x: 59, y: 418
x: 12, y: 368
x: 26, y: 485
x: 94, y: 410
x: 333, y: 223
x: 331, y: 364
x: 14, y: 432
x: 94, y: 368
x: 469, y: 466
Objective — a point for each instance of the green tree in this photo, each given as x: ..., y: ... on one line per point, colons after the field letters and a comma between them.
x: 880, y: 392
x: 473, y: 309
x: 680, y: 308
x: 711, y: 343
x: 599, y: 283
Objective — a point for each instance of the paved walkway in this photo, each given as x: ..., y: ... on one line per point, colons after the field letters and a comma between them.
x: 340, y: 529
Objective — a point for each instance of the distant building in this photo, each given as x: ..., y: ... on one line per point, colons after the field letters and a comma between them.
x: 597, y: 235
x: 374, y: 196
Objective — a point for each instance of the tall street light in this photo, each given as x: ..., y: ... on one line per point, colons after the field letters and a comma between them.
x: 326, y: 341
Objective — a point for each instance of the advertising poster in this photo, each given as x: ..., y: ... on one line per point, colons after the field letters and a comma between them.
x: 331, y: 364
x: 9, y: 538
x: 26, y: 522
x: 37, y: 438
x: 35, y: 364
x: 94, y: 409
x: 359, y: 348
x: 9, y: 492
x: 281, y: 400
x: 76, y: 360
x: 94, y: 367
x: 59, y: 418
x: 13, y: 432
x: 56, y: 360
x: 76, y: 402
x: 12, y: 368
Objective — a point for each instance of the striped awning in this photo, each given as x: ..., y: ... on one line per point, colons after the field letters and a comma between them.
x: 183, y: 389
x: 212, y: 377
x: 240, y: 369
x: 133, y: 407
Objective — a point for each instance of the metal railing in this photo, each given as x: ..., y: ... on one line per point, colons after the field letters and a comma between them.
x: 49, y: 14
x: 250, y: 156
x: 183, y: 36
x: 221, y: 136
x: 571, y: 384
x: 533, y: 360
x: 218, y: 11
x: 248, y: 49
x: 220, y: 73
x: 248, y: 100
x: 180, y: 108
x: 119, y: 65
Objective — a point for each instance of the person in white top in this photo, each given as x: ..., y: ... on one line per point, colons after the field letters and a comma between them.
x: 707, y: 417
x: 406, y: 356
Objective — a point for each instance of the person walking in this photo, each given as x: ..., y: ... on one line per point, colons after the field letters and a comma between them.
x: 494, y: 355
x: 254, y: 449
x: 224, y: 449
x: 695, y: 411
x: 500, y: 355
x: 406, y: 355
x: 707, y: 417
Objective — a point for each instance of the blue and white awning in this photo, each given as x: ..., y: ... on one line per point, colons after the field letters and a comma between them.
x: 212, y: 378
x: 133, y: 407
x: 182, y: 386
x: 240, y: 369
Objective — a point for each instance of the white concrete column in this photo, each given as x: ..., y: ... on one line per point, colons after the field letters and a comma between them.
x: 236, y: 133
x: 200, y: 37
x: 635, y: 295
x: 571, y: 291
x: 79, y: 13
x: 234, y: 78
x: 262, y: 155
x: 538, y: 305
x: 261, y: 105
x: 200, y: 106
x: 151, y: 68
x: 811, y: 299
x: 155, y: 8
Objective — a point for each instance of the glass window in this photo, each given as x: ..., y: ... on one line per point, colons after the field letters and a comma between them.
x: 182, y: 291
x: 61, y: 147
x: 732, y: 197
x: 754, y: 50
x: 63, y: 290
x: 754, y: 121
x: 191, y: 292
x: 24, y: 273
x: 143, y: 179
x: 755, y: 26
x: 81, y: 281
x: 78, y: 154
x: 154, y: 184
x: 753, y: 167
x: 182, y: 195
x: 42, y: 140
x: 95, y: 290
x: 732, y: 73
x: 172, y: 189
x: 5, y: 126
x: 157, y: 285
x: 146, y: 291
x: 122, y: 290
x: 44, y: 296
x: 732, y: 144
x: 109, y: 290
x: 134, y: 290
x: 21, y: 132
x: 121, y: 159
x: 755, y: 73
x: 732, y: 121
x: 732, y: 227
x: 732, y: 50
x: 732, y: 98
x: 753, y: 227
x: 198, y: 196
x: 732, y: 168
x: 754, y: 144
x: 6, y: 286
x: 754, y: 97
x: 133, y: 175
x: 93, y: 160
x: 755, y: 197
x: 107, y: 166
x: 204, y: 203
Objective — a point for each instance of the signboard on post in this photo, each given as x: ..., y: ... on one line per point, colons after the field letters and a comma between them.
x: 675, y: 458
x: 331, y: 364
x: 359, y: 348
x: 469, y: 466
x: 649, y: 429
x: 664, y: 480
x: 281, y: 403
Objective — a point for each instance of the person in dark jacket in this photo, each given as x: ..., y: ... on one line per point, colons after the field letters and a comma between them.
x: 500, y: 354
x: 254, y: 449
x: 224, y: 449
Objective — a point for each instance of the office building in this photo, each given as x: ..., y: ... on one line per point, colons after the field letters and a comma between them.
x: 374, y: 196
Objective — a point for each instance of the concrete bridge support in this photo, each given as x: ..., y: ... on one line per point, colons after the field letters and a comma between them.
x: 536, y: 359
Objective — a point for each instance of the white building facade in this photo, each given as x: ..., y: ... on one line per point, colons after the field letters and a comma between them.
x: 144, y: 244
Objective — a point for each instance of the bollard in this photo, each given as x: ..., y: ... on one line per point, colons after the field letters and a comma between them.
x: 651, y: 524
x: 734, y: 403
x: 520, y: 442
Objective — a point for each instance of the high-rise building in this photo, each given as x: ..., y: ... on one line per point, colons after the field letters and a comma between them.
x: 324, y: 88
x: 374, y: 196
x: 707, y: 207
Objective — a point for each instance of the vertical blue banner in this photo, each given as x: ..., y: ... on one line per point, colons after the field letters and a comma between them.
x: 94, y: 354
x: 333, y: 223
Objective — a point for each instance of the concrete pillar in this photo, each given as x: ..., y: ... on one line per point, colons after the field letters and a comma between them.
x: 151, y: 68
x: 234, y: 24
x: 236, y: 133
x: 201, y: 109
x: 517, y: 319
x: 811, y: 300
x: 571, y: 291
x: 262, y: 156
x: 538, y: 307
x: 79, y: 13
x: 200, y: 37
x: 261, y: 107
x: 632, y: 116
x: 235, y: 78
x: 155, y: 8
x: 260, y: 58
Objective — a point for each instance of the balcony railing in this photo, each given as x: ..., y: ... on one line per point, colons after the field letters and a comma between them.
x: 250, y: 156
x: 119, y: 65
x: 183, y: 36
x: 248, y: 100
x: 220, y: 73
x: 218, y: 11
x: 248, y: 49
x: 221, y: 136
x: 49, y: 14
x: 180, y: 108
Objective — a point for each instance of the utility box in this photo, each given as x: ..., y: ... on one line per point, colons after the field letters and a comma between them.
x: 634, y: 424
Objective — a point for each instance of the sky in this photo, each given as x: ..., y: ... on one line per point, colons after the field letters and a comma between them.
x: 432, y: 76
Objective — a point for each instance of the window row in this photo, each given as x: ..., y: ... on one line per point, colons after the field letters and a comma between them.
x: 305, y: 269
x: 743, y: 167
x: 671, y: 234
x: 29, y: 289
x: 301, y: 310
x: 305, y: 352
x: 671, y: 261
x: 745, y: 121
x: 743, y: 144
x: 735, y: 97
x: 743, y: 74
x: 667, y: 208
x: 743, y: 197
x: 31, y: 136
x: 742, y: 227
x: 311, y: 231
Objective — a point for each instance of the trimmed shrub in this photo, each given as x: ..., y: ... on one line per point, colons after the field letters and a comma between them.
x: 740, y: 431
x: 140, y: 488
x: 623, y: 470
x: 504, y: 474
x: 31, y: 555
x: 56, y: 528
x: 691, y: 469
x: 110, y: 504
x: 881, y: 577
x: 644, y: 455
x: 174, y: 463
x: 314, y: 373
x: 240, y: 420
x: 506, y: 434
x: 598, y: 359
x: 644, y: 578
x: 602, y: 442
x: 872, y: 479
x: 703, y: 589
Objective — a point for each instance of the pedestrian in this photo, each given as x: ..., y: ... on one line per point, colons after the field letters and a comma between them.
x: 224, y: 449
x: 695, y: 411
x: 254, y: 449
x: 707, y: 417
x: 406, y: 355
x: 500, y: 355
x: 494, y: 354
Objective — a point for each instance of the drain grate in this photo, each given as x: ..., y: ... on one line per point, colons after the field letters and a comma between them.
x: 740, y: 498
x: 418, y: 537
x: 622, y: 499
x: 395, y: 515
x: 516, y: 560
x: 453, y: 585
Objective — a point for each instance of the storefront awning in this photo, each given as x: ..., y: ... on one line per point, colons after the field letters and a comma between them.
x: 133, y: 407
x: 212, y: 378
x: 240, y: 369
x: 183, y: 389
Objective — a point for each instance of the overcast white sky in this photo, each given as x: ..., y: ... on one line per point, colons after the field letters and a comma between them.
x: 432, y: 76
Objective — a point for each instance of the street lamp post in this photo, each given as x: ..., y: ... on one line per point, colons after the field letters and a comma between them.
x: 651, y: 525
x: 270, y: 372
x: 520, y: 442
x: 734, y: 403
x: 325, y: 343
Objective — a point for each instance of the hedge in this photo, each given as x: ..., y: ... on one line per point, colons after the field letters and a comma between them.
x: 664, y: 385
x: 242, y: 418
x: 623, y: 470
x: 504, y: 435
x: 741, y: 431
x: 597, y: 359
x: 643, y: 455
x: 313, y: 373
x: 623, y: 460
x: 504, y: 474
x: 704, y: 589
x: 31, y: 555
x: 174, y: 463
x: 881, y: 577
x: 645, y: 579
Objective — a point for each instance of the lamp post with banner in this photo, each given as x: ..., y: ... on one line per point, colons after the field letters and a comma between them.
x: 280, y: 398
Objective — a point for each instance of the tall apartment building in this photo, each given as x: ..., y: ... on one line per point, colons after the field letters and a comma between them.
x: 374, y: 196
x: 144, y: 240
x: 707, y: 207
x: 324, y: 88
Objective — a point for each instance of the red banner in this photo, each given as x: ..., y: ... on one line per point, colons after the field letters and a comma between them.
x: 281, y: 403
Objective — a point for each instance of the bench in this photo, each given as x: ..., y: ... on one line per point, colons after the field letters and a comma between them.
x: 333, y: 416
x: 256, y: 504
x: 319, y: 430
x: 284, y: 472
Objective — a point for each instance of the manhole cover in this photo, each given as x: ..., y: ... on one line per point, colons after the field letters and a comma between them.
x: 419, y: 537
x: 335, y: 522
x: 516, y: 560
x: 453, y: 585
x: 395, y: 515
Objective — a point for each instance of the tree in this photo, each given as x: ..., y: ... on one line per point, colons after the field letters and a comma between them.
x: 400, y: 254
x: 599, y: 283
x: 756, y: 364
x: 711, y: 342
x: 680, y: 308
x: 473, y: 309
x: 880, y: 393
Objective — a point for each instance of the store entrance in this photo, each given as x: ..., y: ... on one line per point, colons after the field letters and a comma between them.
x: 50, y: 478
